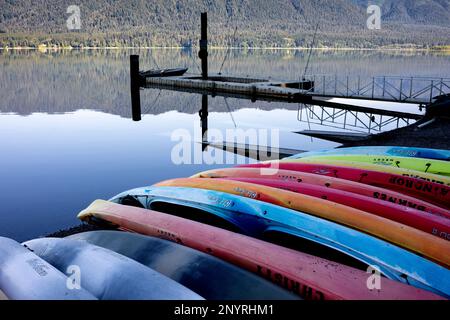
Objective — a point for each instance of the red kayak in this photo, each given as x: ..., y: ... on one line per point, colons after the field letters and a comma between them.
x: 329, y: 182
x: 429, y: 223
x: 432, y: 192
x: 308, y: 276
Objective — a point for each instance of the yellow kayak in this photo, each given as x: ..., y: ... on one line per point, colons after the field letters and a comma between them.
x: 419, y: 164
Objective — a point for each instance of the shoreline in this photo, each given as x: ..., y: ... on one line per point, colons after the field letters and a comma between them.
x: 407, y: 49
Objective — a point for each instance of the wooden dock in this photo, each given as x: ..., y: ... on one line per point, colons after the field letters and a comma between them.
x: 261, y: 89
x: 251, y: 88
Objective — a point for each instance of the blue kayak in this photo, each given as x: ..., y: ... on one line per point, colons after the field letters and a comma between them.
x: 291, y: 228
x: 409, y: 152
x: 107, y: 274
x: 25, y: 276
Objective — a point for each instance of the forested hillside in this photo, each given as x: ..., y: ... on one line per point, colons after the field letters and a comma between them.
x: 269, y: 23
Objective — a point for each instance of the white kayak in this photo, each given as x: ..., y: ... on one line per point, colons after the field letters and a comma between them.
x: 107, y: 274
x: 25, y: 276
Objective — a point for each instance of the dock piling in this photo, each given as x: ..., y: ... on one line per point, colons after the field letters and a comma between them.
x: 135, y: 86
x: 203, y: 53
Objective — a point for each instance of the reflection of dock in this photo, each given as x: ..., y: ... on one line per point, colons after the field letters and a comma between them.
x: 257, y: 152
x: 339, y: 137
x: 354, y: 118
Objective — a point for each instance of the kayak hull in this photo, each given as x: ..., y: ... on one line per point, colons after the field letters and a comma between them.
x: 437, y: 167
x: 413, y: 152
x: 436, y: 193
x: 428, y: 245
x: 433, y: 224
x: 25, y: 276
x: 264, y: 220
x: 426, y: 176
x: 191, y: 268
x: 109, y: 275
x: 325, y: 180
x: 306, y: 275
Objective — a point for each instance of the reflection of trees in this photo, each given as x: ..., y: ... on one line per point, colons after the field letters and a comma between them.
x: 64, y: 81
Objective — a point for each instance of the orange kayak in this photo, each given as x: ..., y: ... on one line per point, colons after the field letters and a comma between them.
x: 329, y: 182
x: 432, y: 224
x: 404, y: 236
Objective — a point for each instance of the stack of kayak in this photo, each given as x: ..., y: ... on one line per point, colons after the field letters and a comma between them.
x: 349, y: 223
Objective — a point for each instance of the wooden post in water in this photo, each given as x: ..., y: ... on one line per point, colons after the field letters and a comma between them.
x: 203, y: 53
x: 135, y: 86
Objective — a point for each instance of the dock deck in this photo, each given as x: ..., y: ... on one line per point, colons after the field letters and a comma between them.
x: 315, y: 92
x: 252, y: 88
x: 312, y: 88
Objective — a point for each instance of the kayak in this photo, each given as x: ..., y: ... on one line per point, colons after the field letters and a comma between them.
x: 432, y: 192
x: 163, y: 72
x: 310, y: 277
x: 413, y: 152
x: 428, y: 245
x: 432, y: 224
x: 191, y: 268
x: 25, y: 276
x: 109, y: 275
x: 292, y: 228
x: 329, y: 182
x: 437, y: 167
x: 377, y: 167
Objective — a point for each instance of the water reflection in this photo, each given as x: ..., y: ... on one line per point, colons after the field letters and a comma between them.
x: 65, y: 81
x: 67, y: 137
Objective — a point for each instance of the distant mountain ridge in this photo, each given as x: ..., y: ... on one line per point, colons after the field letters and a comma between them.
x: 282, y: 23
x: 426, y: 12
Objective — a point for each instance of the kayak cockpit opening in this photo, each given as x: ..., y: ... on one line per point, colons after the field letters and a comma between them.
x: 131, y: 201
x: 313, y: 248
x: 194, y: 214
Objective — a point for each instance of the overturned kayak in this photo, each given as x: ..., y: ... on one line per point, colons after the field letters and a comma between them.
x: 109, y: 275
x: 412, y: 152
x: 268, y: 221
x: 163, y: 72
x: 437, y: 167
x: 431, y: 177
x: 428, y: 245
x: 433, y: 224
x: 328, y: 182
x: 303, y: 274
x: 204, y: 274
x: 431, y: 192
x: 25, y: 276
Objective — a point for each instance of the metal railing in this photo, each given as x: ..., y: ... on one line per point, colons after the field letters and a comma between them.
x: 419, y: 90
x: 350, y: 120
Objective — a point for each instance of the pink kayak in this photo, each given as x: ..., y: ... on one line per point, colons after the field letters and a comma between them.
x: 329, y: 182
x: 308, y: 276
x: 429, y: 223
x: 432, y: 192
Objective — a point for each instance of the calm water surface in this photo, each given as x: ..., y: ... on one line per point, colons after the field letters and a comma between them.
x: 66, y: 137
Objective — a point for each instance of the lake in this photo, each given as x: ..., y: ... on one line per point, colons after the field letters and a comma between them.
x: 66, y: 137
